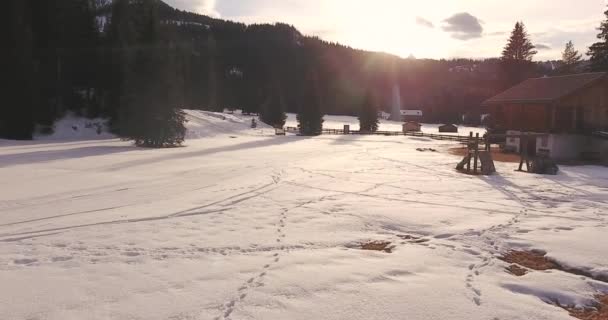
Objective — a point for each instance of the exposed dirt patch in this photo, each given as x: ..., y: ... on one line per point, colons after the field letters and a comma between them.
x: 378, y: 246
x: 407, y: 237
x: 530, y: 259
x: 497, y: 155
x: 517, y: 270
x: 598, y: 312
x: 538, y: 261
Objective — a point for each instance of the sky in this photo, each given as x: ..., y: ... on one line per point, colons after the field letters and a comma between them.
x: 423, y: 28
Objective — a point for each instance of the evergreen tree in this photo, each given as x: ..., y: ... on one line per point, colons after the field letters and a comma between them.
x: 16, y: 113
x: 570, y: 59
x: 272, y: 111
x: 146, y: 76
x: 517, y: 56
x: 598, y: 52
x: 66, y: 37
x: 519, y: 46
x: 368, y: 115
x: 214, y: 76
x: 310, y: 116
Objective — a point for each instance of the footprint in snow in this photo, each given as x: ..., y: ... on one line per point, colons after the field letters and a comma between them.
x: 25, y: 261
x: 61, y: 259
x: 131, y: 254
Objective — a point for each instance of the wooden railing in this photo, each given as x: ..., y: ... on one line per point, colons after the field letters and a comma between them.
x: 463, y: 139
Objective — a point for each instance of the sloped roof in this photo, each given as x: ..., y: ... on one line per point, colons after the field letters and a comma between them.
x: 411, y: 112
x: 547, y: 89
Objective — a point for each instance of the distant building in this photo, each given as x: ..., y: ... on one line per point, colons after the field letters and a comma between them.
x: 384, y: 115
x: 572, y: 110
x: 412, y: 126
x: 459, y: 69
x: 448, y: 128
x: 411, y: 115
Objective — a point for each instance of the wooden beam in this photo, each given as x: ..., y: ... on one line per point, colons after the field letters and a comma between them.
x: 553, y: 117
x: 518, y: 135
x: 476, y: 150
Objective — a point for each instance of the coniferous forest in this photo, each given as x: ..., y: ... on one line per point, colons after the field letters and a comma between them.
x: 139, y: 62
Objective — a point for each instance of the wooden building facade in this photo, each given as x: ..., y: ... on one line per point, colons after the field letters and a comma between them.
x: 565, y: 104
x: 572, y: 110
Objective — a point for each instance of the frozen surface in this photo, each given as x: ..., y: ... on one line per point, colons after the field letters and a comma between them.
x: 241, y: 224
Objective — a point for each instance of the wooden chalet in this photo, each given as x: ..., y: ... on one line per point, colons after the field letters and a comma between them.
x: 571, y: 109
x: 448, y: 128
x: 412, y: 126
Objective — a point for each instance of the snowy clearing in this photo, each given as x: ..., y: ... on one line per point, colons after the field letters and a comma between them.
x: 246, y: 225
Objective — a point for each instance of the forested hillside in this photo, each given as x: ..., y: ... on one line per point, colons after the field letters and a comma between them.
x: 125, y: 59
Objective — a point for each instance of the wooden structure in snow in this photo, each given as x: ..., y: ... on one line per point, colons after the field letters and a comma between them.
x: 541, y: 163
x: 411, y: 115
x: 477, y: 161
x: 450, y: 128
x: 567, y: 109
x: 412, y: 126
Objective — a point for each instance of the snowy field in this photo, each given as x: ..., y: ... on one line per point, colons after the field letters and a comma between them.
x: 240, y: 224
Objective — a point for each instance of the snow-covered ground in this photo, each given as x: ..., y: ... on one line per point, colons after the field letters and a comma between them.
x: 247, y: 225
x: 72, y: 127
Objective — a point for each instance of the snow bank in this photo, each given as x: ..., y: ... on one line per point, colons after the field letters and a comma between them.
x: 72, y: 127
x: 569, y: 291
x: 201, y: 124
x: 205, y: 124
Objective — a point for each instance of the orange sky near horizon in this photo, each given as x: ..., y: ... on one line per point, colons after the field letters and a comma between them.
x: 426, y: 29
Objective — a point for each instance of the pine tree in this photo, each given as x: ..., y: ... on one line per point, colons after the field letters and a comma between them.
x: 272, y: 111
x: 310, y: 116
x: 519, y: 46
x: 570, y: 59
x: 517, y: 56
x: 368, y: 115
x: 214, y: 75
x: 147, y: 77
x: 18, y: 91
x: 598, y: 52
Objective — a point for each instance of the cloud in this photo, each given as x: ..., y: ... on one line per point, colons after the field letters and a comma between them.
x: 424, y: 22
x: 497, y: 33
x: 541, y: 46
x: 463, y: 26
x: 206, y: 7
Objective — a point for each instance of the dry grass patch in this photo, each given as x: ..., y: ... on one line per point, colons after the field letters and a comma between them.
x: 538, y: 261
x: 598, y: 312
x: 530, y: 259
x: 497, y: 155
x: 384, y: 246
x: 517, y: 270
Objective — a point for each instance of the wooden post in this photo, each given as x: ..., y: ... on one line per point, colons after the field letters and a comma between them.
x: 469, y: 150
x: 524, y: 152
x: 488, y: 143
x: 476, y: 150
x: 527, y: 154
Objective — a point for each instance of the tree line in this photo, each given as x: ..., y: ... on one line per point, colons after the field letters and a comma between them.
x: 140, y: 62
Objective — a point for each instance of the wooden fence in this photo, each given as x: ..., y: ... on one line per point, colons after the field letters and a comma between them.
x: 462, y: 139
